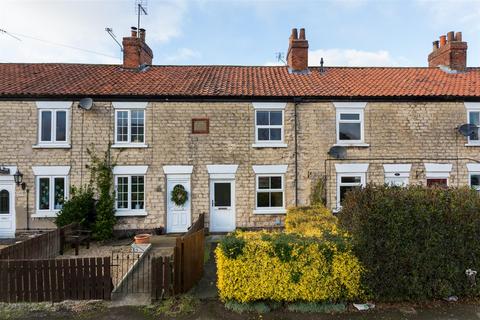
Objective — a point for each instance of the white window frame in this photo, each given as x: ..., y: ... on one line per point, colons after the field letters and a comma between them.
x: 129, y: 107
x: 129, y: 172
x: 472, y: 107
x: 50, y: 172
x: 438, y: 171
x: 397, y: 171
x: 270, y: 171
x: 269, y: 106
x: 349, y: 170
x: 350, y: 108
x: 54, y: 107
x: 473, y: 169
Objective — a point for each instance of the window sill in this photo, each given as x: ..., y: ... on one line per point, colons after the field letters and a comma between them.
x: 129, y: 145
x: 357, y: 144
x: 269, y: 145
x: 48, y: 214
x: 131, y: 213
x: 270, y: 211
x: 51, y: 146
x: 470, y: 144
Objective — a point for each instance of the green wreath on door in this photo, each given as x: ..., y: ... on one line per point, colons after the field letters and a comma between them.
x: 179, y: 195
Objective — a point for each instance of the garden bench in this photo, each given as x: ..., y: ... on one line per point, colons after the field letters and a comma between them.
x: 75, y: 237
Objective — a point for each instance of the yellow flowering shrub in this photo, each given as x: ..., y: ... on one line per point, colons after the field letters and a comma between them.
x: 312, y: 220
x: 286, y: 267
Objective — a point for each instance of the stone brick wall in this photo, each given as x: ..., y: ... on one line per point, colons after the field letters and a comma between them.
x: 396, y: 132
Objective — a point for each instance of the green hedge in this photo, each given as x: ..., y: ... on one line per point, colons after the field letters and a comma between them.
x: 416, y: 242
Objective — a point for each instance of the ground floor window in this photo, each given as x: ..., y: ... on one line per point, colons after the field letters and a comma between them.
x: 437, y: 182
x: 347, y: 182
x: 51, y: 193
x: 397, y: 174
x: 130, y: 193
x: 437, y: 174
x: 350, y: 176
x: 270, y: 191
x: 474, y: 181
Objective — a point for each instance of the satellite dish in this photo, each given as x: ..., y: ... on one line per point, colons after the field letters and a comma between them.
x: 338, y: 152
x: 467, y: 129
x: 86, y: 103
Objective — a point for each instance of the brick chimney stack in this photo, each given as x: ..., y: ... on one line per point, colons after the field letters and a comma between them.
x: 135, y: 51
x: 297, y: 56
x: 450, y: 51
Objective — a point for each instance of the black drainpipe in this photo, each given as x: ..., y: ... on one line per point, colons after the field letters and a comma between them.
x: 296, y: 101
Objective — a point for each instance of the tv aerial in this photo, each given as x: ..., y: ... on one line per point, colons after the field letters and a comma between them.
x: 467, y: 129
x: 280, y: 56
x: 140, y: 10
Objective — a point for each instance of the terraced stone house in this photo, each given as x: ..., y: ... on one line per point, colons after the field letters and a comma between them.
x: 246, y: 142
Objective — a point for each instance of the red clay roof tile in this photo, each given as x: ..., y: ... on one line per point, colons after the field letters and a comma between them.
x: 63, y: 80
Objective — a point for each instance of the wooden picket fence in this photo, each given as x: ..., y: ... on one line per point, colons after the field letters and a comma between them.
x: 162, y: 280
x: 55, y: 279
x: 189, y: 257
x: 43, y: 246
x: 180, y: 272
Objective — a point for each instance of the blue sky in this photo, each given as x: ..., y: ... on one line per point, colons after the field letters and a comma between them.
x: 239, y: 32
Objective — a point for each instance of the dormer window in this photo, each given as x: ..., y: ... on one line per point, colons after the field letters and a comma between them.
x: 130, y: 124
x: 53, y: 124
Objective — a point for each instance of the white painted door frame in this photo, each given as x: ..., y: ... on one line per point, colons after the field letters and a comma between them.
x: 222, y: 218
x: 179, y: 218
x: 8, y: 221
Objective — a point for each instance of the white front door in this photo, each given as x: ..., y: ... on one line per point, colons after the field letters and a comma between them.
x: 7, y: 209
x: 222, y: 205
x: 178, y: 216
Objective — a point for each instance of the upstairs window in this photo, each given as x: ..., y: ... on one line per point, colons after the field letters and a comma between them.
x: 53, y: 124
x: 473, y: 117
x: 129, y: 124
x: 349, y: 123
x: 269, y: 124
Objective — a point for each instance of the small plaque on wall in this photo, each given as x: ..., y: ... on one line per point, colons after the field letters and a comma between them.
x: 200, y: 126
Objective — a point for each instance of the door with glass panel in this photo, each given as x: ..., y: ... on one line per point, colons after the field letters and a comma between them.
x: 222, y: 205
x: 7, y: 210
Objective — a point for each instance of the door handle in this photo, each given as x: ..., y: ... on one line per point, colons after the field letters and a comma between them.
x: 212, y: 203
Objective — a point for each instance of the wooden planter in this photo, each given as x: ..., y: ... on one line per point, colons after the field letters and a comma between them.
x: 142, y: 238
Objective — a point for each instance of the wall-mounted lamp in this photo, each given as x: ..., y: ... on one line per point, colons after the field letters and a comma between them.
x: 18, y: 178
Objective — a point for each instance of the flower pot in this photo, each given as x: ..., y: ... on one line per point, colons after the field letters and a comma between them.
x: 142, y: 238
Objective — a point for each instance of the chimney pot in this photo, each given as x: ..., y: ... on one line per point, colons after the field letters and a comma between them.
x: 136, y: 53
x: 142, y: 34
x: 302, y: 34
x: 297, y: 56
x: 450, y: 36
x: 458, y: 36
x: 443, y: 40
x: 134, y: 32
x: 294, y: 33
x: 450, y: 52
